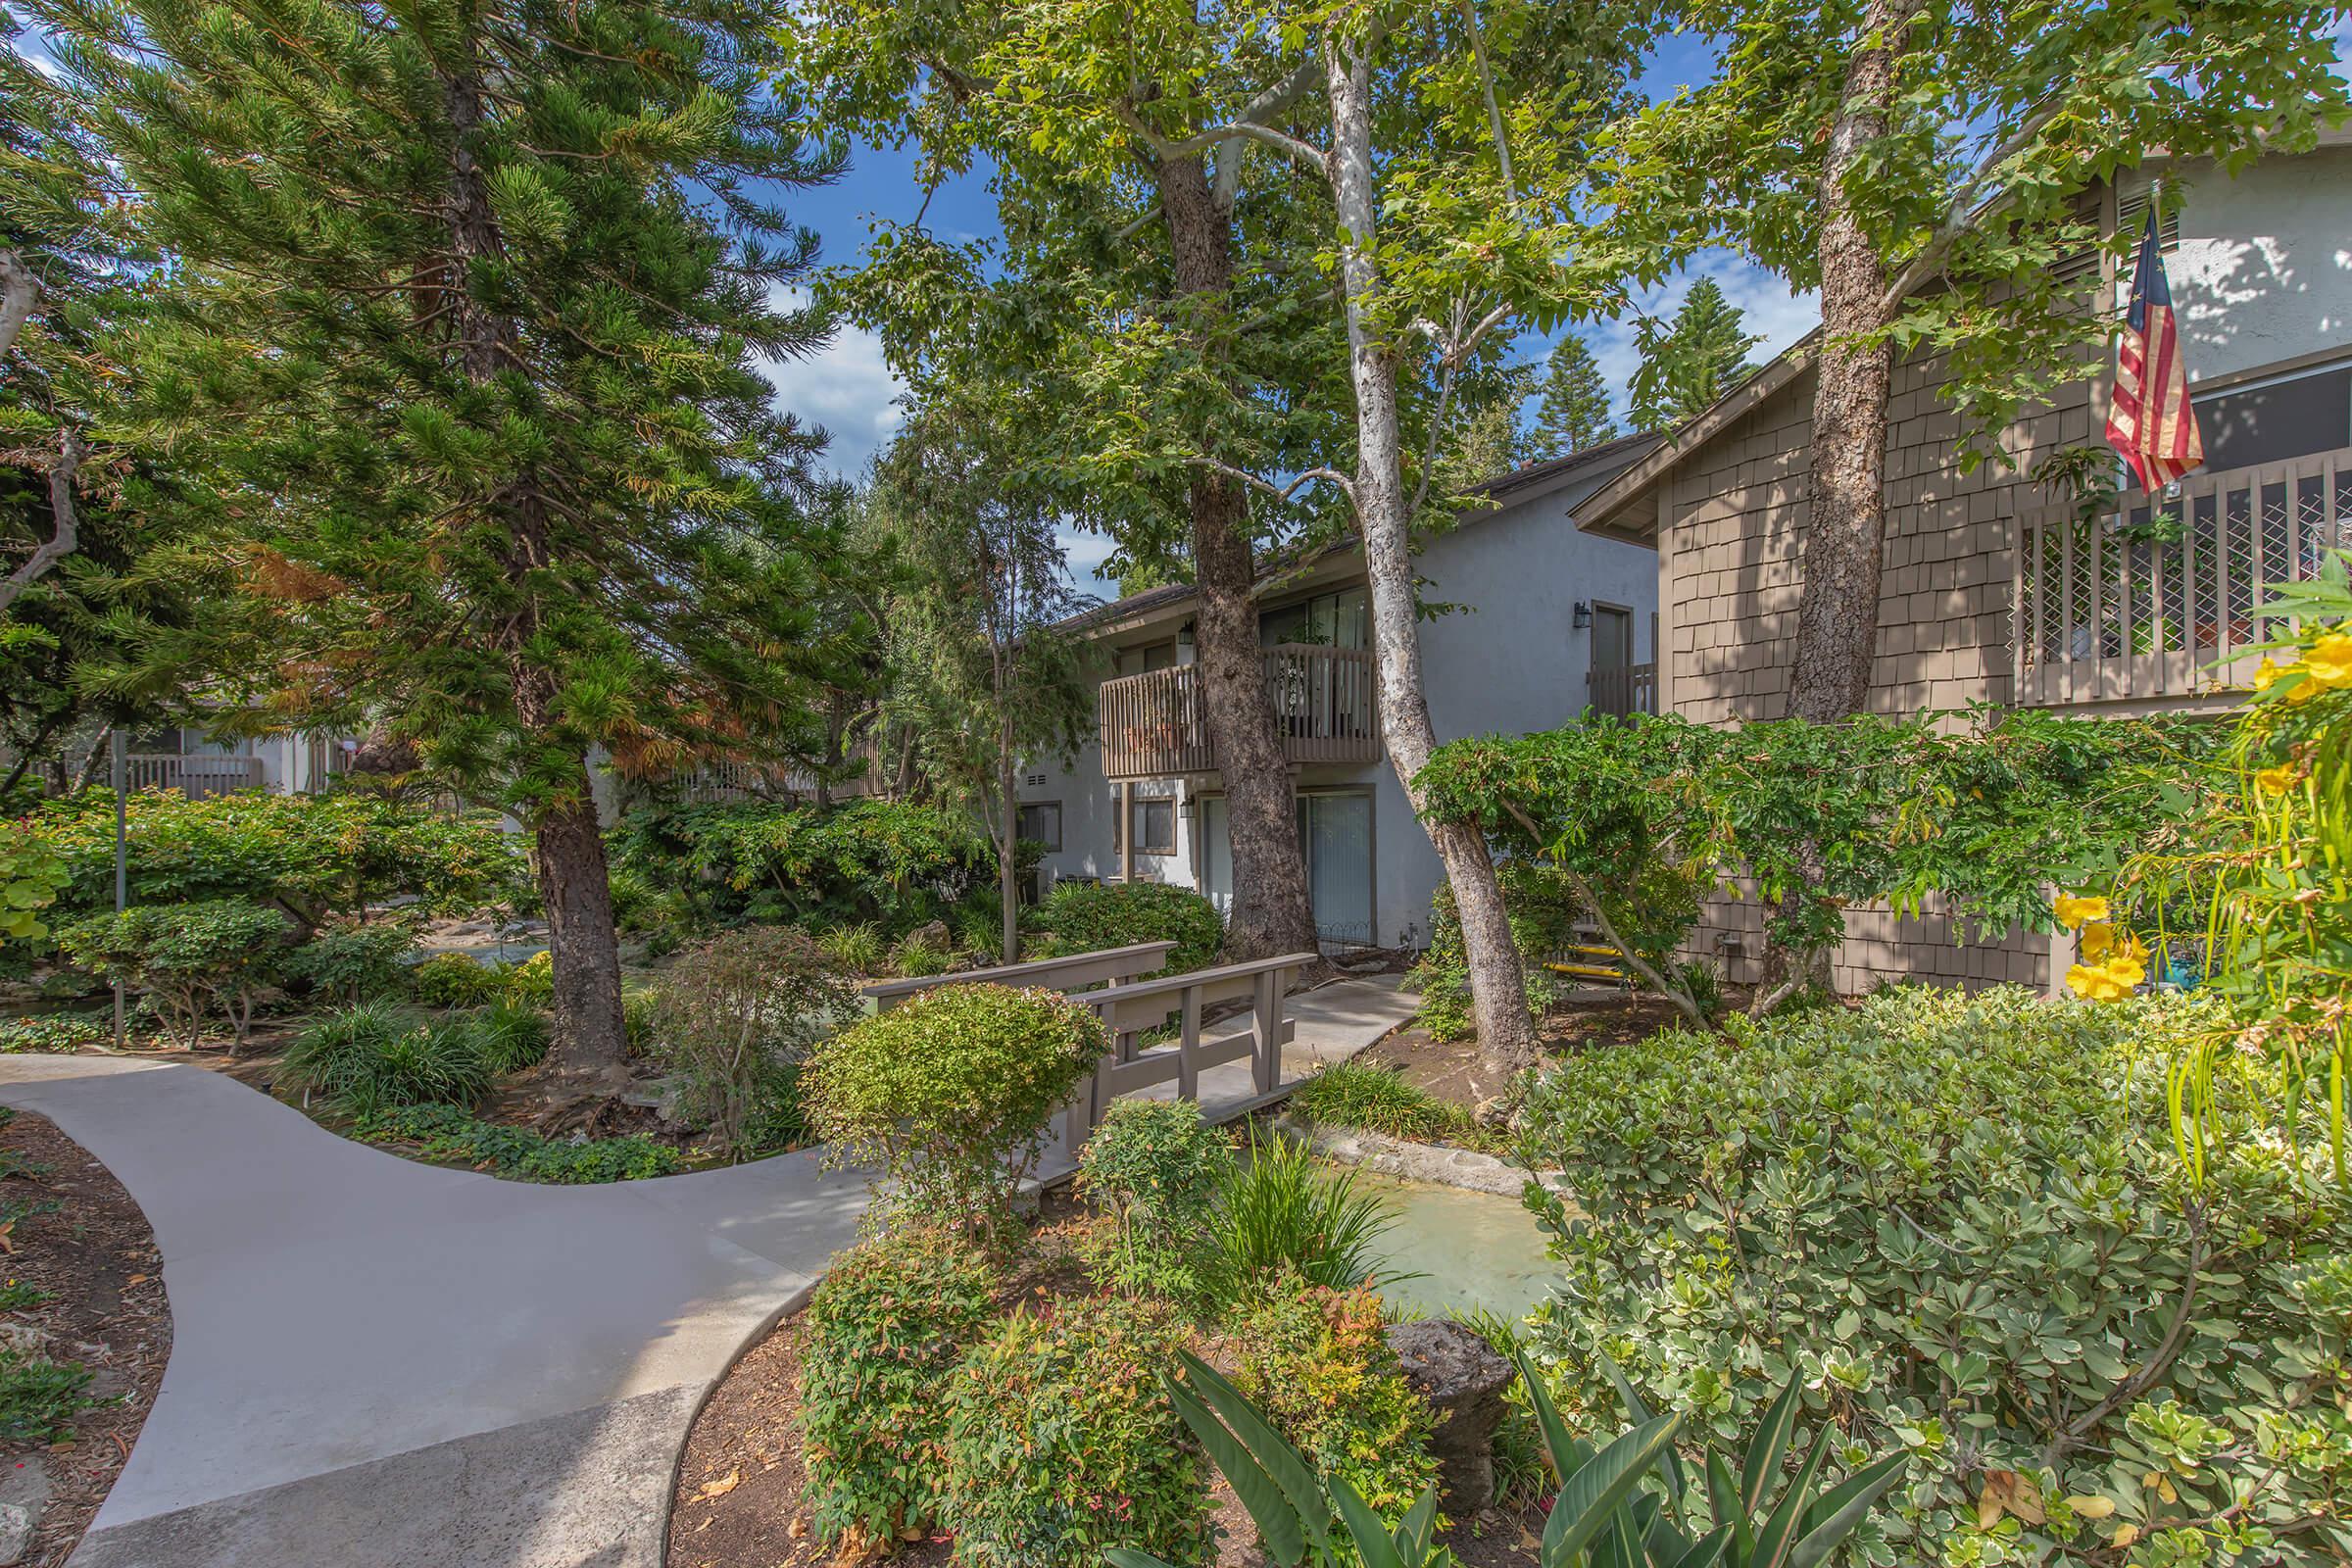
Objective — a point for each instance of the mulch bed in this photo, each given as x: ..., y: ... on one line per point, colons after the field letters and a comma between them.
x: 1449, y: 1068
x: 94, y: 1257
x: 741, y: 1497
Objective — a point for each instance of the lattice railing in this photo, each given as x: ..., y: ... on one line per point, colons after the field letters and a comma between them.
x: 2157, y: 597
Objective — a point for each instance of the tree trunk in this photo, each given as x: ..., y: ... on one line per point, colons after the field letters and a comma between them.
x: 1271, y: 915
x: 590, y: 1035
x: 1846, y: 539
x: 591, y: 1038
x: 1507, y: 1042
x: 1009, y: 857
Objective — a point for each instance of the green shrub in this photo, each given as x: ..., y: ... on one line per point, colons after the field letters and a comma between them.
x: 1543, y: 914
x: 376, y: 1055
x: 1375, y: 1099
x: 39, y: 1397
x: 1319, y: 1364
x: 31, y: 876
x: 532, y: 982
x: 1285, y: 1209
x: 316, y: 855
x: 1061, y: 1442
x: 1090, y: 916
x: 980, y: 931
x: 352, y: 962
x: 1156, y: 1165
x: 453, y: 980
x: 451, y: 1132
x: 893, y: 863
x: 1962, y: 1222
x: 509, y: 1035
x: 62, y: 1033
x: 949, y: 1092
x: 737, y: 1013
x: 919, y: 953
x: 640, y: 1008
x: 891, y: 1319
x: 859, y: 949
x: 192, y: 960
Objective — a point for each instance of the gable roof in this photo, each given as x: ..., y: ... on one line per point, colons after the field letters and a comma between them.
x: 1627, y: 506
x: 1515, y: 488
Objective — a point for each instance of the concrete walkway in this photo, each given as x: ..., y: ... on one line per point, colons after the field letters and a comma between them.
x: 382, y: 1365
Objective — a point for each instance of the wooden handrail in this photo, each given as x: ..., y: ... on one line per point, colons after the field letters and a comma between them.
x: 1129, y: 1010
x: 1113, y: 966
x: 1326, y: 710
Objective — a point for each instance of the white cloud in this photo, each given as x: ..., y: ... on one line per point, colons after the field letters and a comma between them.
x: 1086, y: 553
x: 848, y: 387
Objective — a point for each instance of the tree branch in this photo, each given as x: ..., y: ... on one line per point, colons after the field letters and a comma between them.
x: 1681, y: 999
x: 1279, y: 492
x: 67, y: 537
x: 1262, y: 110
x: 1962, y: 214
x: 19, y: 288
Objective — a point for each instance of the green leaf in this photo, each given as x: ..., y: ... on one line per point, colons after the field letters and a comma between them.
x: 1365, y: 1528
x: 1842, y: 1507
x: 1766, y: 1449
x: 1773, y: 1539
x: 1581, y: 1510
x: 1559, y: 1450
x: 1284, y: 1499
x: 1637, y: 1411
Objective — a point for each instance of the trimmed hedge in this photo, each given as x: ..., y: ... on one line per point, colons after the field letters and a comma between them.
x: 1090, y: 916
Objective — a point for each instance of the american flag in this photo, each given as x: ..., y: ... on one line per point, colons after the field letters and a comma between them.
x: 2151, y: 423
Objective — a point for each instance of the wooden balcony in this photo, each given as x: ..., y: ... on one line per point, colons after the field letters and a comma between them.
x: 1155, y: 726
x: 1623, y: 690
x: 2153, y: 601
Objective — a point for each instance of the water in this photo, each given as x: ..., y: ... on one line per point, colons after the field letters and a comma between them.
x: 1470, y: 1249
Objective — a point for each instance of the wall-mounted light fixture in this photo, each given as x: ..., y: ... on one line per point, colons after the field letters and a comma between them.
x: 1581, y: 616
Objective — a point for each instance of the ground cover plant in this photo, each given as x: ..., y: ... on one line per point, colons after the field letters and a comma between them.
x: 1962, y: 1224
x: 1284, y: 1211
x: 453, y: 1132
x: 1376, y: 1099
x: 378, y: 1056
x: 61, y: 1033
x: 949, y: 1093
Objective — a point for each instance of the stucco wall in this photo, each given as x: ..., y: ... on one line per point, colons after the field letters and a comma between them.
x: 2264, y: 268
x: 1510, y: 662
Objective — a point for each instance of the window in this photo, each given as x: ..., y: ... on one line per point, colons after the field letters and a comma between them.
x: 2292, y: 417
x: 1154, y: 825
x: 1141, y: 661
x: 1041, y: 823
x: 1333, y: 621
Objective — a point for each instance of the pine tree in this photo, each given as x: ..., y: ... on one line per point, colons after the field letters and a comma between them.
x: 1687, y: 366
x: 1575, y: 411
x: 466, y: 297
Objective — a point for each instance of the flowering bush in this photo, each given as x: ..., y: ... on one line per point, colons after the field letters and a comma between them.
x: 1961, y: 1221
x: 2253, y: 892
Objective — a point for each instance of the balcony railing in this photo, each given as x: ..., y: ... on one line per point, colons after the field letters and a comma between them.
x: 1155, y: 726
x: 1623, y: 690
x: 2156, y: 597
x: 196, y: 776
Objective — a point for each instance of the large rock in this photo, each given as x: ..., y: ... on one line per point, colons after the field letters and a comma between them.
x: 1463, y: 1380
x: 15, y: 1531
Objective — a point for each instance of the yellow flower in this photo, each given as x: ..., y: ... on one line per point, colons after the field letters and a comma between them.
x: 2330, y: 662
x: 2073, y: 910
x: 2275, y: 780
x: 2111, y: 981
x: 2307, y: 688
x: 2097, y: 938
x: 2265, y: 674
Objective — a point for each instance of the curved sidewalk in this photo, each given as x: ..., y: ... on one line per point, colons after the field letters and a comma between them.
x: 382, y: 1365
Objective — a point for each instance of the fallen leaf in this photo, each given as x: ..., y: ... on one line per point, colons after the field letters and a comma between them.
x: 2092, y: 1507
x: 2007, y: 1492
x: 723, y: 1486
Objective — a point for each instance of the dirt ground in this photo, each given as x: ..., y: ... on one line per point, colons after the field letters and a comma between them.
x: 1449, y: 1068
x: 741, y: 1500
x: 81, y: 1241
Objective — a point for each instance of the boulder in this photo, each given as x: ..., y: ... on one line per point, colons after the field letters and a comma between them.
x: 15, y: 1531
x: 1463, y: 1380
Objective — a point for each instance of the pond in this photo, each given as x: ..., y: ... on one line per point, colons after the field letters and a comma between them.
x: 1469, y: 1250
